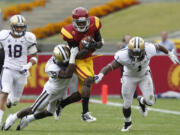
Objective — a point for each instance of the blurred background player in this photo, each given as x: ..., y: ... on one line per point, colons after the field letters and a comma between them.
x: 135, y: 61
x: 165, y: 42
x: 60, y: 68
x: 125, y: 41
x: 17, y: 44
x: 83, y: 26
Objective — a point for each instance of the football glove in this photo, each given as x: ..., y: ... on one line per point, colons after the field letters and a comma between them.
x: 26, y: 68
x: 173, y: 57
x: 90, y: 44
x: 98, y: 78
x: 74, y: 51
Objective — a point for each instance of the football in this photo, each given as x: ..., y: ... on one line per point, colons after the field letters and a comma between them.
x: 85, y: 42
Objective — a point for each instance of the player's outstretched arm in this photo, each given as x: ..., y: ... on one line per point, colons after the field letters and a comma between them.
x: 105, y: 70
x: 171, y: 55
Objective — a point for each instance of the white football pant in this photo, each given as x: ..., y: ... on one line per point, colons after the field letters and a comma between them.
x: 146, y: 86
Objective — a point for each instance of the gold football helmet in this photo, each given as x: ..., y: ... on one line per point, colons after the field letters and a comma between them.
x: 61, y: 54
x: 136, y: 48
x: 18, y: 25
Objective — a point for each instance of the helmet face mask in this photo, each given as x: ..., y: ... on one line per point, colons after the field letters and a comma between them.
x: 18, y: 25
x: 61, y: 55
x: 136, y: 49
x: 80, y: 19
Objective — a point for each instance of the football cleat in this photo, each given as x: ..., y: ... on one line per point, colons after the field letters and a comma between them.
x: 8, y: 105
x: 142, y: 107
x: 88, y: 117
x: 57, y: 113
x: 126, y: 127
x: 9, y: 122
x: 23, y: 123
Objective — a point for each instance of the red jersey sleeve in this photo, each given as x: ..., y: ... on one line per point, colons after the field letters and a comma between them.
x: 66, y: 33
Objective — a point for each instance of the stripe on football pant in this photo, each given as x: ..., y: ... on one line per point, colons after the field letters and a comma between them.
x: 38, y: 102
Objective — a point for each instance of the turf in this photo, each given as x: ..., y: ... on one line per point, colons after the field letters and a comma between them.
x: 144, y: 20
x: 109, y: 121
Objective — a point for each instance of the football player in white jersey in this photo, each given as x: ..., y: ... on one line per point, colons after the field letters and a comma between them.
x: 135, y: 62
x: 17, y: 44
x: 60, y: 69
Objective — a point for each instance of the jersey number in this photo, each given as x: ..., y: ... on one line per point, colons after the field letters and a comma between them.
x: 139, y: 68
x: 17, y: 51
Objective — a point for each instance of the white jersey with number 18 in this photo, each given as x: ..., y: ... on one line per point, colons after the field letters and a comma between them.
x: 16, y: 49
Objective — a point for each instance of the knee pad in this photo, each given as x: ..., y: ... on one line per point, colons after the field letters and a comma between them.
x: 127, y: 104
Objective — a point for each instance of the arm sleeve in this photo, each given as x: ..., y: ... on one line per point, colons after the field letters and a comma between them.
x: 72, y: 44
x: 32, y: 49
x: 98, y: 37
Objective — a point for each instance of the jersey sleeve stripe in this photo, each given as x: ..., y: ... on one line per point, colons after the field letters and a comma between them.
x: 66, y: 33
x: 97, y: 22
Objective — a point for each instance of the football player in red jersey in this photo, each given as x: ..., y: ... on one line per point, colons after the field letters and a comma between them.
x: 82, y: 26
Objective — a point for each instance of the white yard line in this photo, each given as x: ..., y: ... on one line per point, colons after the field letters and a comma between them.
x: 137, y: 107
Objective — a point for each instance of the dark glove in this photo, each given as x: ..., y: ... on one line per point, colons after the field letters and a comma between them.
x: 90, y: 44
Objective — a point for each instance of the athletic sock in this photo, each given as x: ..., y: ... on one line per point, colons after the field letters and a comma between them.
x: 85, y: 102
x: 1, y: 116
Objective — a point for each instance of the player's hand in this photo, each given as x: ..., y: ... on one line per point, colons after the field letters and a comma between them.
x: 25, y: 68
x: 98, y: 78
x: 74, y: 51
x: 173, y: 57
x: 93, y: 43
x: 90, y: 44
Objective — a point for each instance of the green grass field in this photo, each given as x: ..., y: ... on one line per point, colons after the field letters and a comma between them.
x: 109, y: 121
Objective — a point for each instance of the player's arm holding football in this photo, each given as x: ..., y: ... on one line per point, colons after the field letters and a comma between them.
x: 99, y: 40
x: 91, y: 44
x: 81, y: 52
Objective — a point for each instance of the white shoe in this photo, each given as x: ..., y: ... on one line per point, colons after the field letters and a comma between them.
x: 88, y: 117
x: 9, y: 122
x: 126, y: 127
x: 23, y: 123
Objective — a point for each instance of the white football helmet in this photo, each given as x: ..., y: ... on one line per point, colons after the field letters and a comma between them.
x: 18, y: 25
x: 136, y: 48
x: 61, y: 54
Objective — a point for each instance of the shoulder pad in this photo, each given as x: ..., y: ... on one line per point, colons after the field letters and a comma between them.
x: 30, y: 37
x: 121, y: 56
x: 97, y: 22
x: 51, y: 66
x: 4, y: 34
x: 65, y: 32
